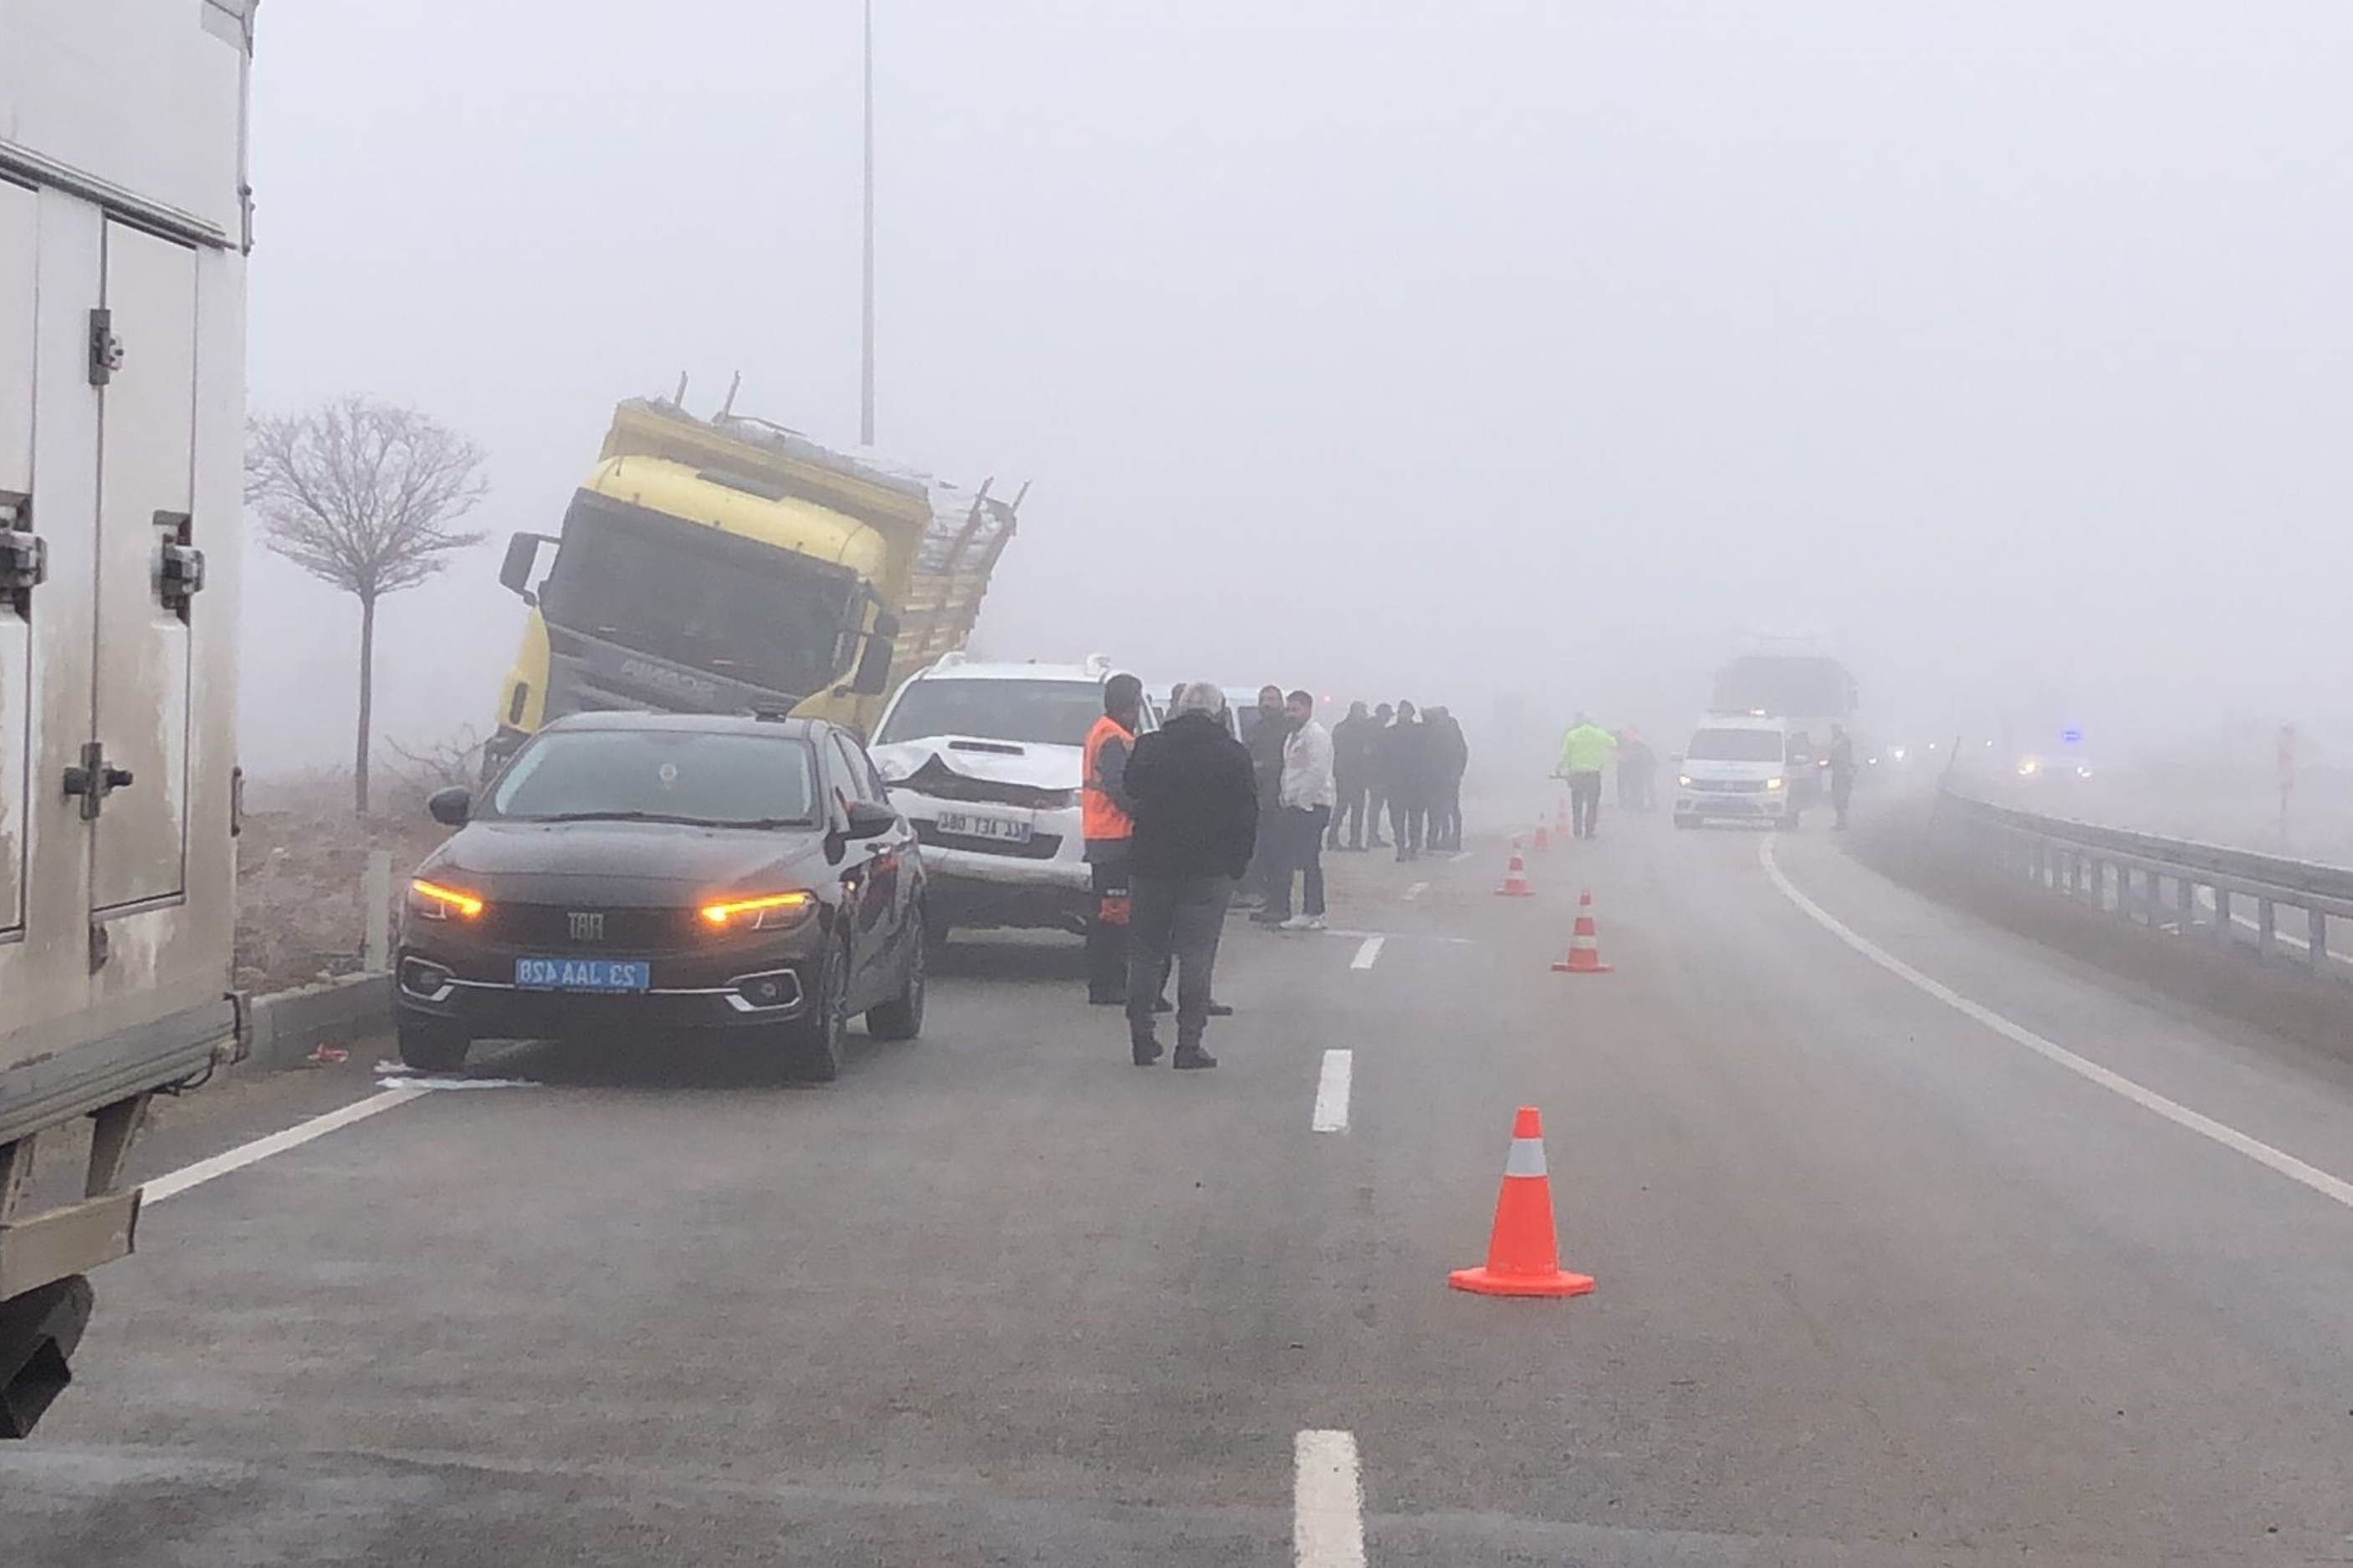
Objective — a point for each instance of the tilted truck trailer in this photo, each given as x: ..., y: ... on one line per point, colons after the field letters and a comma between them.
x: 728, y: 565
x: 124, y: 234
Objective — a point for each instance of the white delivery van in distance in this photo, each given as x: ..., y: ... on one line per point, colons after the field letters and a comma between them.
x: 1736, y: 767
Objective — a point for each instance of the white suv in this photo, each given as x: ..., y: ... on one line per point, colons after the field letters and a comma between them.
x: 1736, y: 767
x: 985, y: 760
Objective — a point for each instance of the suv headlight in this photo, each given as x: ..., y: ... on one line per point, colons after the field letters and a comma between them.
x: 766, y: 912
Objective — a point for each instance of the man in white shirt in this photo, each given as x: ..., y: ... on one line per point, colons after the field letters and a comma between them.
x: 1304, y: 803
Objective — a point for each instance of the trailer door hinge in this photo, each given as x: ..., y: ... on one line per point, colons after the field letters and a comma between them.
x: 23, y: 554
x: 105, y: 348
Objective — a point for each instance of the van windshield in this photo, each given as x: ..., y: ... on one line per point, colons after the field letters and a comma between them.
x: 1736, y: 746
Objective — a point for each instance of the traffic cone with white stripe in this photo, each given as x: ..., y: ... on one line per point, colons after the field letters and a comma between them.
x: 1583, y: 942
x: 1523, y: 1258
x: 1516, y: 877
x: 1543, y: 840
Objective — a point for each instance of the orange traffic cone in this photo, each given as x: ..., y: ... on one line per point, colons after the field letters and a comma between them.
x: 1516, y: 877
x: 1523, y: 1259
x: 1584, y: 946
x: 1543, y: 840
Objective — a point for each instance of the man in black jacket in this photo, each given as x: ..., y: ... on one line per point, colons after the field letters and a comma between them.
x: 1352, y: 760
x: 1194, y: 797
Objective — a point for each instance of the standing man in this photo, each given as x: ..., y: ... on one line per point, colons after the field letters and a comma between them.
x: 1450, y: 758
x: 1195, y: 806
x: 1637, y: 768
x: 1406, y: 761
x: 1841, y: 761
x: 1376, y: 776
x: 1584, y: 753
x: 1303, y: 811
x: 1106, y: 814
x: 1264, y: 736
x: 1352, y: 756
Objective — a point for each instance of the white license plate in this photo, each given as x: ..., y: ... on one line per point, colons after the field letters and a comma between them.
x: 974, y: 824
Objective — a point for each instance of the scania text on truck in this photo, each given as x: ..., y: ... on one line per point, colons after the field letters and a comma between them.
x: 123, y: 233
x: 729, y: 565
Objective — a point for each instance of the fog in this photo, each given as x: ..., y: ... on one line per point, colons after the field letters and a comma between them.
x: 1441, y: 352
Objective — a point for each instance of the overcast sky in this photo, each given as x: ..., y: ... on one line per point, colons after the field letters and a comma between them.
x: 1420, y: 349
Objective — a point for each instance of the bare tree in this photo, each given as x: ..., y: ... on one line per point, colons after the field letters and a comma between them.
x: 361, y: 494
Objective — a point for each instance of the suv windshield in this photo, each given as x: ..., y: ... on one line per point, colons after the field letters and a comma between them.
x: 1734, y: 746
x: 1032, y: 712
x: 722, y: 778
x: 697, y: 596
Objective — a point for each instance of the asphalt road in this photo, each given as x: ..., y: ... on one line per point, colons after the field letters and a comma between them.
x: 1879, y: 1283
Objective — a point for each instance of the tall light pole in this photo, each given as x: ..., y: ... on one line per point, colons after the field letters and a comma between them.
x: 866, y: 366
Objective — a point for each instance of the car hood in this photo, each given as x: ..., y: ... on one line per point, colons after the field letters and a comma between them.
x: 650, y: 863
x: 1004, y: 764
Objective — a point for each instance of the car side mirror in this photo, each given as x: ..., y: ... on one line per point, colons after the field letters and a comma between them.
x: 452, y: 808
x: 868, y: 820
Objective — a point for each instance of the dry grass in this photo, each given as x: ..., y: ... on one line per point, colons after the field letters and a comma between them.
x: 302, y: 867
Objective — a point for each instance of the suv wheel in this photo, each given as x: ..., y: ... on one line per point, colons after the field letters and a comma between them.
x: 813, y: 1043
x: 902, y: 1018
x: 433, y: 1048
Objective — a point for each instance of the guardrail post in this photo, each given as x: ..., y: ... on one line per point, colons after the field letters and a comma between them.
x: 2223, y: 916
x: 2266, y: 927
x: 2317, y: 924
x: 375, y: 954
x: 2185, y: 903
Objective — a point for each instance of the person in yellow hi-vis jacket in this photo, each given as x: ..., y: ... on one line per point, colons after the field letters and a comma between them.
x: 1584, y: 753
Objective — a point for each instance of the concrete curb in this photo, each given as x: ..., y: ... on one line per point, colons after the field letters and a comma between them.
x: 289, y: 1025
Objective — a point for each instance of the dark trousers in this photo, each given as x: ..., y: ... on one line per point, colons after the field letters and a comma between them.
x: 1176, y: 918
x: 1408, y: 817
x: 1351, y: 809
x: 1258, y: 880
x: 1107, y: 924
x: 1376, y: 798
x: 1299, y: 846
x: 1585, y: 799
x: 1446, y: 816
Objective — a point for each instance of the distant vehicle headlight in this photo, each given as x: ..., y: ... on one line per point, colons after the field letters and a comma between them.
x: 2029, y: 768
x: 1682, y: 781
x: 1777, y: 783
x: 1897, y: 754
x: 2082, y: 770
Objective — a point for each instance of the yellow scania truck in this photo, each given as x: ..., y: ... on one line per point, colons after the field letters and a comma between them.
x: 726, y: 565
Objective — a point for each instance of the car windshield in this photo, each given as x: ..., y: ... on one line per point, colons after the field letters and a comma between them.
x: 693, y: 596
x: 1030, y: 712
x: 718, y: 778
x: 1734, y: 746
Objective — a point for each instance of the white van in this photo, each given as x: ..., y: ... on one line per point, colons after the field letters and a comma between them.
x: 1736, y: 768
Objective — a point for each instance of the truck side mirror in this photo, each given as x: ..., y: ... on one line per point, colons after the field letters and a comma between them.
x: 873, y: 677
x: 522, y: 560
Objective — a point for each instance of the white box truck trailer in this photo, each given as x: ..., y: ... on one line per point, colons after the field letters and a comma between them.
x: 123, y: 233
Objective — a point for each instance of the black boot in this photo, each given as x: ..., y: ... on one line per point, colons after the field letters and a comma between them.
x: 1146, y: 1050
x: 1191, y: 1057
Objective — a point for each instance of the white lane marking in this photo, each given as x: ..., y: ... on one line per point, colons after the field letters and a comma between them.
x: 2262, y: 1153
x: 1458, y: 859
x: 1332, y: 1092
x: 1417, y: 889
x: 1407, y: 936
x: 1368, y: 955
x: 293, y: 1137
x: 1327, y: 1501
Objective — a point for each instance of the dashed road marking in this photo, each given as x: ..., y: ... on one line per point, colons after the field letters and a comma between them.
x: 260, y: 1148
x: 1459, y: 857
x: 1417, y: 890
x: 1332, y: 1092
x: 2262, y: 1153
x: 1368, y: 955
x: 1327, y: 1501
x: 1405, y: 936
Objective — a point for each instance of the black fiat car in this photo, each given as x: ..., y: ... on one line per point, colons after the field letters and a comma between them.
x: 631, y: 876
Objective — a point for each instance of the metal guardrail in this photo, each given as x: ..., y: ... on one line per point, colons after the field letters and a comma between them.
x: 2129, y: 873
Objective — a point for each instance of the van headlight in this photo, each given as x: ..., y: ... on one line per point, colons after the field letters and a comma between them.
x: 1777, y: 783
x: 1682, y: 781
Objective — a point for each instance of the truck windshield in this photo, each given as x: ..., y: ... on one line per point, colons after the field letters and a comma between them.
x: 1032, y: 712
x: 694, y: 596
x: 1734, y: 746
x: 1800, y: 686
x: 660, y: 775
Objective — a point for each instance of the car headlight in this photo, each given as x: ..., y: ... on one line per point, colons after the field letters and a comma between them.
x: 2082, y: 770
x: 432, y: 901
x: 766, y: 911
x: 1682, y: 781
x: 1777, y: 783
x: 2029, y: 768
